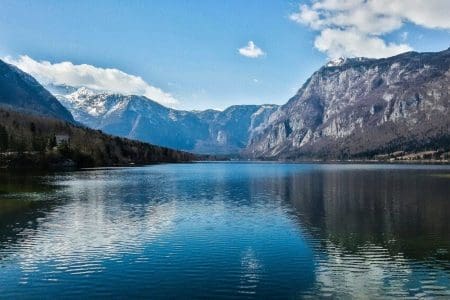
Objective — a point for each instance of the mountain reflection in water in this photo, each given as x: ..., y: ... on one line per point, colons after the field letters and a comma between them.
x: 228, y: 230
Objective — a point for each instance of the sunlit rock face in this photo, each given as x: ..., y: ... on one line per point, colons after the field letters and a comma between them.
x: 361, y: 106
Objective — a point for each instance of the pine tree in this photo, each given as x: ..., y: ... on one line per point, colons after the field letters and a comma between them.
x: 3, y: 138
x: 32, y: 128
x: 51, y: 142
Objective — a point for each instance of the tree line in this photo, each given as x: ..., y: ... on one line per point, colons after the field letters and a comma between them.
x: 33, y: 137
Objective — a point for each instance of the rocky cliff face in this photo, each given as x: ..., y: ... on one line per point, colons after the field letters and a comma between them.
x: 20, y: 91
x: 360, y: 107
x: 136, y: 117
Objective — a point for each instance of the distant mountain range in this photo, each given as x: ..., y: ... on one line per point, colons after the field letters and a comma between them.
x: 20, y: 91
x: 362, y: 107
x: 137, y: 117
x: 351, y: 107
x: 37, y: 131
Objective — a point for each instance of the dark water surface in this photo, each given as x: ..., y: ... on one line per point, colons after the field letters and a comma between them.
x: 227, y: 230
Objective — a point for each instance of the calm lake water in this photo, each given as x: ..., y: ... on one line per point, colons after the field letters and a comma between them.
x: 227, y: 230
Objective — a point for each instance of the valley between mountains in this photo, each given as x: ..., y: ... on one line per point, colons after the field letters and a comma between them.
x: 351, y: 108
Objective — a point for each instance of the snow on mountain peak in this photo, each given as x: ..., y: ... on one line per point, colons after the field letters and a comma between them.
x: 340, y: 61
x: 88, y: 101
x: 335, y: 62
x: 84, y: 91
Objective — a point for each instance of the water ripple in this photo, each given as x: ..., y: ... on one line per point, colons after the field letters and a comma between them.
x: 245, y: 231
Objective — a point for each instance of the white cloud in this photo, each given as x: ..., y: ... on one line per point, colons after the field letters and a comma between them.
x: 337, y: 43
x: 104, y: 79
x: 357, y: 27
x: 251, y: 50
x: 426, y: 13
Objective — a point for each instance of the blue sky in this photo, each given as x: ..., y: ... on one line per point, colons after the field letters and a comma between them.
x: 189, y: 49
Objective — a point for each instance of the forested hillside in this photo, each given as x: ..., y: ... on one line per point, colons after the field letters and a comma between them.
x: 28, y: 140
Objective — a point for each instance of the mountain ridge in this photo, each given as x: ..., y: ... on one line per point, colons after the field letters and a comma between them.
x: 20, y: 91
x: 137, y: 117
x: 361, y: 107
x: 350, y: 107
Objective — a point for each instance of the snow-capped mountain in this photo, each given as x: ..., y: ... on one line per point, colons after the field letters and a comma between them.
x: 137, y: 117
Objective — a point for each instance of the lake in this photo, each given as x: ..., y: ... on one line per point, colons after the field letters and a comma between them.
x: 227, y: 230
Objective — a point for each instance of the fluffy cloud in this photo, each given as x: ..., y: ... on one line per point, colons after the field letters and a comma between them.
x: 337, y: 43
x: 111, y: 80
x: 356, y: 27
x: 251, y: 50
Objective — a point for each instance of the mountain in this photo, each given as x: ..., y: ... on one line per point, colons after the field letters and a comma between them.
x: 362, y: 107
x: 230, y: 130
x: 37, y: 131
x: 20, y: 91
x: 137, y: 117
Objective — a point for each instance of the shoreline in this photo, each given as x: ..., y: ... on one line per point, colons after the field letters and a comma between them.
x: 68, y: 165
x: 368, y: 162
